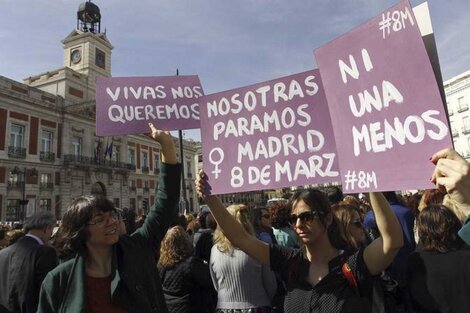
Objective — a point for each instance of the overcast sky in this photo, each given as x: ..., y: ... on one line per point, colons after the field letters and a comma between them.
x: 228, y: 43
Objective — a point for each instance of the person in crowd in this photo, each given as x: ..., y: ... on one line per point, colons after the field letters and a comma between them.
x: 262, y: 225
x: 334, y: 193
x: 316, y: 275
x: 14, y: 235
x: 282, y: 230
x: 186, y: 280
x: 3, y: 236
x: 128, y: 217
x: 192, y: 228
x: 24, y: 265
x: 242, y: 283
x: 397, y: 269
x: 428, y: 197
x: 351, y: 228
x: 452, y: 175
x: 439, y: 272
x: 204, y: 243
x: 108, y: 272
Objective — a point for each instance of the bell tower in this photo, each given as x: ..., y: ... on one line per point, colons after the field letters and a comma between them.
x: 86, y: 49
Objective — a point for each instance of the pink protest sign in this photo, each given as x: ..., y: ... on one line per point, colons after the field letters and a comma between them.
x: 125, y: 105
x: 269, y: 135
x: 385, y: 104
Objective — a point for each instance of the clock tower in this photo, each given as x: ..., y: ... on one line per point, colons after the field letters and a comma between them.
x: 86, y: 49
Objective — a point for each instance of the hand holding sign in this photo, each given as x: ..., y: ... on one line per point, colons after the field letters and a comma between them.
x: 452, y: 175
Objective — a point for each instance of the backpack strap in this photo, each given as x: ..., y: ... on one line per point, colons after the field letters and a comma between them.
x: 348, y: 274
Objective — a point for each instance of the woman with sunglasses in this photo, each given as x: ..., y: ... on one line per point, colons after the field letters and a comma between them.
x: 108, y: 272
x: 262, y: 225
x: 316, y: 275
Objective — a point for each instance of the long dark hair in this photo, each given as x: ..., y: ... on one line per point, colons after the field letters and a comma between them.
x: 437, y: 228
x: 318, y: 201
x: 72, y: 233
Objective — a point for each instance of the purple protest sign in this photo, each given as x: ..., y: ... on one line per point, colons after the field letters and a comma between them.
x: 269, y: 135
x: 385, y: 104
x: 125, y: 105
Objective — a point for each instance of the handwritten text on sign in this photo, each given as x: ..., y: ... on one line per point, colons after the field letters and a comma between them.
x: 125, y: 105
x: 385, y: 104
x: 269, y: 135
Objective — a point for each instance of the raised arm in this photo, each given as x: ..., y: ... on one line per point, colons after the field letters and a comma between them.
x: 231, y: 228
x: 165, y: 208
x: 452, y: 175
x: 379, y: 254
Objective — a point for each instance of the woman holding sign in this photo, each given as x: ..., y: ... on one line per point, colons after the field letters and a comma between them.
x: 320, y: 277
x: 109, y: 272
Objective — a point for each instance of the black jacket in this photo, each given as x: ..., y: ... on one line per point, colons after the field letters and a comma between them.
x: 23, y: 267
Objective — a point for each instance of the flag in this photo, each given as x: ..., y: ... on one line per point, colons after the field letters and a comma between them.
x: 110, y: 150
x: 107, y: 148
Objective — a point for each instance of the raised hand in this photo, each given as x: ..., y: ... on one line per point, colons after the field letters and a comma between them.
x: 166, y: 141
x: 452, y: 175
x: 202, y: 185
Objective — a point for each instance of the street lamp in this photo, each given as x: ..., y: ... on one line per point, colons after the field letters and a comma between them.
x: 24, y: 202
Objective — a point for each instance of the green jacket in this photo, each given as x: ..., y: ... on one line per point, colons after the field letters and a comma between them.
x: 135, y: 283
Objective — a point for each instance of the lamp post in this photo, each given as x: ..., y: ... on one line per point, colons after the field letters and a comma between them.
x: 24, y: 202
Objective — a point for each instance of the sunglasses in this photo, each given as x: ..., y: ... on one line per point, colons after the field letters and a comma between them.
x: 304, y: 217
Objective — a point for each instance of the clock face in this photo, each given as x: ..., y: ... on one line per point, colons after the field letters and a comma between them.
x: 75, y: 56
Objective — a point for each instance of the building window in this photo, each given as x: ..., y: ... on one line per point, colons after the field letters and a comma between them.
x: 144, y: 159
x: 132, y: 203
x: 156, y: 163
x: 45, y: 204
x: 116, y: 156
x: 16, y: 135
x: 77, y: 146
x: 46, y: 181
x: 132, y: 156
x: 46, y: 141
x: 13, y: 210
x: 462, y: 105
x: 188, y: 169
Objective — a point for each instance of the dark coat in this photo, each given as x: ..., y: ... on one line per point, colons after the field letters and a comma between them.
x: 188, y: 287
x: 135, y: 283
x: 23, y: 267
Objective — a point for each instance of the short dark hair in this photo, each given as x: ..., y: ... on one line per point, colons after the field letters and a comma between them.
x: 437, y: 229
x: 334, y: 193
x: 72, y: 234
x: 39, y: 220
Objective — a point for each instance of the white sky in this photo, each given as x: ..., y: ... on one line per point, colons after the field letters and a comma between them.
x: 228, y: 43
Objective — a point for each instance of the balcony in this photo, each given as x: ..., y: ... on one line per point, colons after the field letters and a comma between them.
x: 46, y: 186
x: 132, y: 188
x: 146, y: 189
x: 85, y: 161
x: 17, y: 152
x: 47, y: 156
x: 466, y: 129
x: 145, y: 169
x: 462, y: 108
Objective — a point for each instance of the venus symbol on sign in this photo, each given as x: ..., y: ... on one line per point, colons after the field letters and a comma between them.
x: 216, y: 163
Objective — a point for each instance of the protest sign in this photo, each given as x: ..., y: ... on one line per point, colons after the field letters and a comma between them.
x: 269, y: 135
x: 385, y: 104
x: 125, y: 105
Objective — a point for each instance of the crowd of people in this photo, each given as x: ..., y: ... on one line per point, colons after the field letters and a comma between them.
x: 321, y: 252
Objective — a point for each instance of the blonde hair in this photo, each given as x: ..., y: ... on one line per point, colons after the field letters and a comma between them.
x: 242, y: 216
x: 176, y: 247
x: 455, y: 207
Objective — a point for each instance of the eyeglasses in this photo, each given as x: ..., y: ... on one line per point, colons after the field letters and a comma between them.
x: 304, y: 217
x: 265, y: 216
x: 101, y: 220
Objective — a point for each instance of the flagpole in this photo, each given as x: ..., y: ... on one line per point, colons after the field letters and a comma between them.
x: 183, y: 203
